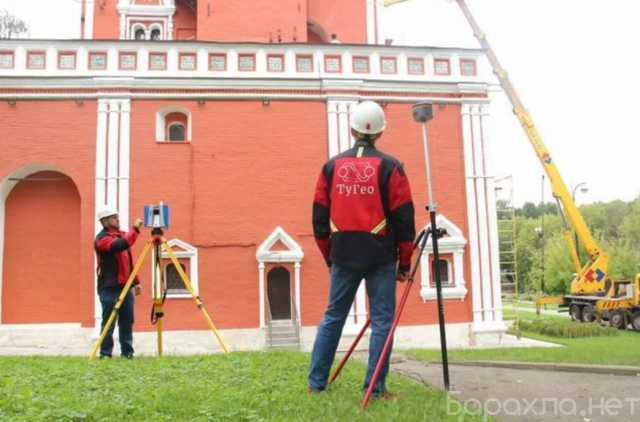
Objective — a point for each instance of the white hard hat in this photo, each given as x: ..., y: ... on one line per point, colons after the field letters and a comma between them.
x: 368, y: 118
x: 106, y: 212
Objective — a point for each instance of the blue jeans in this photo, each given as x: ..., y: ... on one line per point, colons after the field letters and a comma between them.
x: 108, y: 299
x: 381, y: 289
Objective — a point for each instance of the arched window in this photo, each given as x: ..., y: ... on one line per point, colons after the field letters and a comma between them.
x: 177, y: 132
x: 140, y: 34
x: 173, y: 124
x: 155, y: 34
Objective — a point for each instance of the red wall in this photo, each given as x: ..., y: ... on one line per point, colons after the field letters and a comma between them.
x: 185, y: 23
x: 248, y: 169
x: 42, y: 281
x: 253, y: 21
x: 403, y: 139
x: 346, y: 19
x: 62, y: 140
x: 106, y: 20
x: 257, y: 20
x: 229, y: 189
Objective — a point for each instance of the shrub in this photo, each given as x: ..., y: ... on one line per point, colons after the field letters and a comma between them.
x: 555, y: 327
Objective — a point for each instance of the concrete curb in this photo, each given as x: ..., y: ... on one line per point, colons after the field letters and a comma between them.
x: 556, y: 367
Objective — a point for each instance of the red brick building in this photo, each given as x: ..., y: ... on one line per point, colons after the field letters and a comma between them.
x: 226, y: 110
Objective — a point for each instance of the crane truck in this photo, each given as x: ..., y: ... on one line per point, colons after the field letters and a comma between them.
x: 593, y: 295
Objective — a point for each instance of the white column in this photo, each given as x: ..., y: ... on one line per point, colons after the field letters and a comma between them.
x: 112, y: 153
x: 261, y: 267
x: 375, y: 10
x: 476, y: 279
x: 344, y: 136
x: 488, y: 325
x: 124, y: 163
x: 89, y: 19
x: 481, y: 200
x: 100, y: 188
x: 297, y: 281
x: 332, y: 125
x: 170, y: 28
x: 123, y: 27
x: 494, y: 243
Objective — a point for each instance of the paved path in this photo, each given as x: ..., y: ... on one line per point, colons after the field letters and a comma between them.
x: 534, y: 395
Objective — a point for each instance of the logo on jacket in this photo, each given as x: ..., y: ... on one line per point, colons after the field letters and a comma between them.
x: 357, y: 179
x: 350, y: 173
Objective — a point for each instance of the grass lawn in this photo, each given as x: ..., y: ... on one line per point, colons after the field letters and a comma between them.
x: 622, y: 349
x: 237, y: 387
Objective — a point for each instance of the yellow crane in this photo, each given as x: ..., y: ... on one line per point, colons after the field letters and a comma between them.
x: 592, y: 293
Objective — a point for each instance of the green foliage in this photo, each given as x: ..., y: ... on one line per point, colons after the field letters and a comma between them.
x: 565, y: 328
x: 236, y: 387
x: 620, y: 348
x: 615, y: 226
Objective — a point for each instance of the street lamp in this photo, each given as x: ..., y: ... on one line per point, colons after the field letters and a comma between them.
x: 584, y: 189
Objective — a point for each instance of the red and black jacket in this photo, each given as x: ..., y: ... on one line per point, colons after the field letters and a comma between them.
x: 363, y: 213
x: 113, y: 250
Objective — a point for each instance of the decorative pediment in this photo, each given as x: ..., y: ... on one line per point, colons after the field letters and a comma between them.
x: 181, y: 249
x: 454, y: 239
x: 279, y: 247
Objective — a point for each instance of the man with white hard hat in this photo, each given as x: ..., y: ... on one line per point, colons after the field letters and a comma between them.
x: 363, y: 222
x: 115, y: 263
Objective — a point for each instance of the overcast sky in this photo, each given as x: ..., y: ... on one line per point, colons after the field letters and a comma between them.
x: 574, y: 62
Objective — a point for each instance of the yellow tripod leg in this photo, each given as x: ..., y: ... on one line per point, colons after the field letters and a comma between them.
x: 121, y: 298
x: 199, y: 304
x: 159, y: 330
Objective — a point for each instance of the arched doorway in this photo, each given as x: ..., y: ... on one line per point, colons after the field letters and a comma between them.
x: 279, y: 293
x: 41, y: 280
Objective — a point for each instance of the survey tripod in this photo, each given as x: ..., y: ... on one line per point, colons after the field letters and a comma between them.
x: 156, y: 245
x: 422, y: 113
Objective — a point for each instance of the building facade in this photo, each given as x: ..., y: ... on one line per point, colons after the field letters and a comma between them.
x: 226, y: 111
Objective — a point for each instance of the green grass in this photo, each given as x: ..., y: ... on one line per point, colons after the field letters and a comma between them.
x: 621, y: 349
x: 237, y: 387
x: 565, y: 328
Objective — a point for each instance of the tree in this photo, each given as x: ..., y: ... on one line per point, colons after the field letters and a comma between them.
x: 11, y: 26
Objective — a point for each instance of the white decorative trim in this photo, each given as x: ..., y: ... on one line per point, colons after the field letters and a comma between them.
x: 161, y: 134
x: 453, y: 243
x: 294, y: 255
x: 185, y: 251
x: 265, y: 254
x: 232, y: 51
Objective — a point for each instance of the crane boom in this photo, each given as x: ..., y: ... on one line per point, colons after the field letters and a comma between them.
x: 592, y: 276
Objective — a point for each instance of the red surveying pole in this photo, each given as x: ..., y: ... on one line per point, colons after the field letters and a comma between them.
x: 351, y: 349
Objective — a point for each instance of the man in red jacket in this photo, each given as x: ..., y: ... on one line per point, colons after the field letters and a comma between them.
x: 363, y: 222
x: 115, y: 263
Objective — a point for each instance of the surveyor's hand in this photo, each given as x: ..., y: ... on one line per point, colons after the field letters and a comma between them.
x: 402, y: 276
x: 137, y: 289
x: 138, y: 224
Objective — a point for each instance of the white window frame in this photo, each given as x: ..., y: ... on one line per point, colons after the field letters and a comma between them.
x: 161, y: 123
x: 187, y: 252
x: 452, y: 244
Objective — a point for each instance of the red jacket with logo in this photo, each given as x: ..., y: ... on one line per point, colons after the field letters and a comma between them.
x: 363, y: 214
x: 113, y: 250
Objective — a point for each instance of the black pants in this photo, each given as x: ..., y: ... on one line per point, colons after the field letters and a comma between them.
x: 108, y: 299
